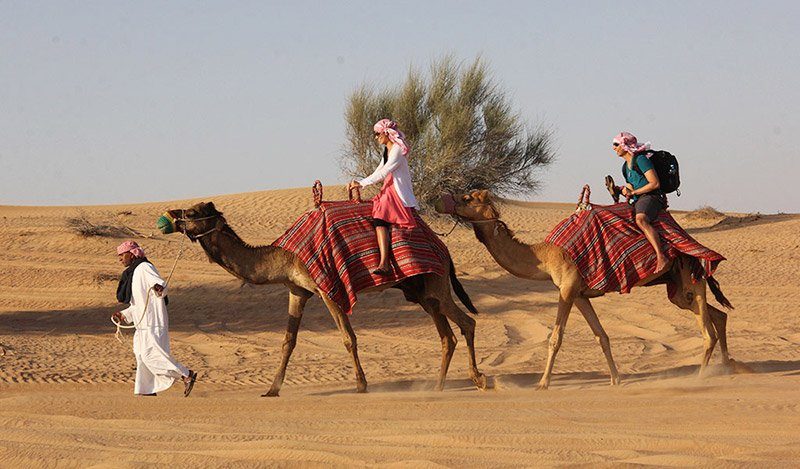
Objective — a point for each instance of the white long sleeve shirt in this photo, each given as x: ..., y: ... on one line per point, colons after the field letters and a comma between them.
x: 397, y: 165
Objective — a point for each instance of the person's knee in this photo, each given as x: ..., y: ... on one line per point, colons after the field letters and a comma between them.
x: 641, y: 220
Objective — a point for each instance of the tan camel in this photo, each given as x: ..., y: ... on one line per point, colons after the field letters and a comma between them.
x: 268, y: 265
x: 545, y: 261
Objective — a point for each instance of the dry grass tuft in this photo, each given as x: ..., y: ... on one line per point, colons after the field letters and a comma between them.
x: 83, y: 227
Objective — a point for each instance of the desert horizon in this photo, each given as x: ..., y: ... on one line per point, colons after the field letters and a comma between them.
x: 66, y: 384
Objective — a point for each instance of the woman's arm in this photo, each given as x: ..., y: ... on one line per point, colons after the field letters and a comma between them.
x: 383, y: 170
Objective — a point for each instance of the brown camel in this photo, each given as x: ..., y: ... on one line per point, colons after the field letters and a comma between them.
x: 269, y: 264
x: 545, y: 261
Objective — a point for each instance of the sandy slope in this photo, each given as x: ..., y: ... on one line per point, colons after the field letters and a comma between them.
x: 65, y: 383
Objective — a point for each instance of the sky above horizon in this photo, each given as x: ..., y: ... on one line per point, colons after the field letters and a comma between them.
x: 124, y: 102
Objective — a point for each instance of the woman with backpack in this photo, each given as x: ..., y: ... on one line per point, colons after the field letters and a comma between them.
x: 642, y: 188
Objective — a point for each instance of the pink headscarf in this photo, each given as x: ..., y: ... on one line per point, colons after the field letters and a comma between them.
x: 389, y: 127
x: 132, y: 247
x: 629, y: 143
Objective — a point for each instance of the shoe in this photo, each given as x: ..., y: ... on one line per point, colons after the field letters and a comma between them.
x: 188, y: 384
x: 382, y: 272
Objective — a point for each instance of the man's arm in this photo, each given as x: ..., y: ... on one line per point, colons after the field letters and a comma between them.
x: 652, y: 183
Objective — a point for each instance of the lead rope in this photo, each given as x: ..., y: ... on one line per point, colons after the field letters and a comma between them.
x: 120, y: 326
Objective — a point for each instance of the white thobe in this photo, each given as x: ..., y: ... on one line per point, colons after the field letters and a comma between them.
x: 156, y: 370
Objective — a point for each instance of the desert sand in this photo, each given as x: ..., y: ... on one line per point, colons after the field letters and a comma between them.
x: 66, y: 384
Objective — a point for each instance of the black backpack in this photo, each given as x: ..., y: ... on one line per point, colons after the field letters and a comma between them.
x: 666, y: 166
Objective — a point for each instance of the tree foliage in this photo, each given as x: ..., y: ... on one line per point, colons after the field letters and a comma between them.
x: 461, y: 127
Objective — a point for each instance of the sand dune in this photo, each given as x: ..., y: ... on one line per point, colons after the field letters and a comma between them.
x: 66, y: 383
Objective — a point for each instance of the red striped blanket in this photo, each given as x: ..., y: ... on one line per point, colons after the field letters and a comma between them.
x: 612, y: 253
x: 338, y: 246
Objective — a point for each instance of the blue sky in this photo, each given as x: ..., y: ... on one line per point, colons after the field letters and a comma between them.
x: 108, y: 102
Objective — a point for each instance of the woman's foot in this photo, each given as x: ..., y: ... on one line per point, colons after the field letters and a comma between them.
x: 382, y: 271
x: 661, y: 265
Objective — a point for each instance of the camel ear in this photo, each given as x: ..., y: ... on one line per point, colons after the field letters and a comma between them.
x: 482, y: 195
x: 466, y: 197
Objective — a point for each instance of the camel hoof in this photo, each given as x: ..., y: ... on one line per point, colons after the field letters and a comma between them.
x: 361, y: 388
x: 542, y: 387
x: 481, y: 382
x: 615, y: 381
x: 439, y: 387
x: 270, y: 393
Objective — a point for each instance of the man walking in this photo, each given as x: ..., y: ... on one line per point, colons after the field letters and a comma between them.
x: 144, y: 290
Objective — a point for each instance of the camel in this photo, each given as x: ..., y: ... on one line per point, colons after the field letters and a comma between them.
x: 545, y: 261
x: 270, y: 265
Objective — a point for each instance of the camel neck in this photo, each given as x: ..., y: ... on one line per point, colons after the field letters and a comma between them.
x: 519, y: 259
x: 254, y: 264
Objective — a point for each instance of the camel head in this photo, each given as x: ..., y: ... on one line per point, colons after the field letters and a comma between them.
x: 474, y: 206
x: 195, y: 221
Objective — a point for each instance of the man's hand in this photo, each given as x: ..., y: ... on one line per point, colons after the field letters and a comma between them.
x: 119, y: 317
x: 627, y: 191
x: 159, y: 289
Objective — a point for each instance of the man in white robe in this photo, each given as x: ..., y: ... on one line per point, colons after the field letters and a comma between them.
x: 143, y: 288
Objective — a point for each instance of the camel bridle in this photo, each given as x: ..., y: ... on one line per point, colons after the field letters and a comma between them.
x: 196, y: 237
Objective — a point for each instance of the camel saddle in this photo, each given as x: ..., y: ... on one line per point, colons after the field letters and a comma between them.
x: 336, y: 241
x: 612, y: 253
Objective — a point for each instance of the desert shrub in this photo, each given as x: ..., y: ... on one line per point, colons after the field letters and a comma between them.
x: 462, y: 129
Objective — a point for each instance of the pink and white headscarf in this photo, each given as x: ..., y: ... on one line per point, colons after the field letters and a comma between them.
x: 629, y: 143
x: 131, y: 247
x: 389, y: 127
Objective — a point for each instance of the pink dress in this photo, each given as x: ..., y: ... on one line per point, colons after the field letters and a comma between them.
x: 388, y: 207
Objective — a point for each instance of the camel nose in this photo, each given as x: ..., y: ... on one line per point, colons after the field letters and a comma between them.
x: 445, y: 204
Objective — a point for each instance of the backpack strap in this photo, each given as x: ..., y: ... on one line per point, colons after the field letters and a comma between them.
x: 635, y: 166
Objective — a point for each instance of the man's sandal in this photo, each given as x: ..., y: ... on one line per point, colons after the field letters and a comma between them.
x: 188, y: 384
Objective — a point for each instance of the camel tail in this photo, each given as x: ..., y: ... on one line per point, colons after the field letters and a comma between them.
x: 717, y: 291
x: 459, y: 289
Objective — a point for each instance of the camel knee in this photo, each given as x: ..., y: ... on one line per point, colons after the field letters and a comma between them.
x: 555, y: 339
x: 449, y: 343
x: 467, y: 326
x: 603, y: 340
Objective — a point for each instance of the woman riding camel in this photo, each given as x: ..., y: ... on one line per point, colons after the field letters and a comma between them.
x: 395, y: 203
x: 642, y: 188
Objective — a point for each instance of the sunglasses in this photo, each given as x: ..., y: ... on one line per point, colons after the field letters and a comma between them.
x: 378, y: 134
x: 615, y: 144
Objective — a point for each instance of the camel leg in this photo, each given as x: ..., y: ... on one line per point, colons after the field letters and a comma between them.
x: 586, y: 308
x: 297, y: 301
x: 467, y: 326
x: 720, y: 319
x: 704, y: 321
x: 349, y: 340
x: 565, y: 301
x: 448, y: 340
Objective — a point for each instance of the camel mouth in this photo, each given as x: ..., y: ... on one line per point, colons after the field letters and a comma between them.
x: 445, y: 204
x: 166, y: 223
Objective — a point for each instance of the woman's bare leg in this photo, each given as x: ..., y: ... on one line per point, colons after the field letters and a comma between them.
x: 383, y: 246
